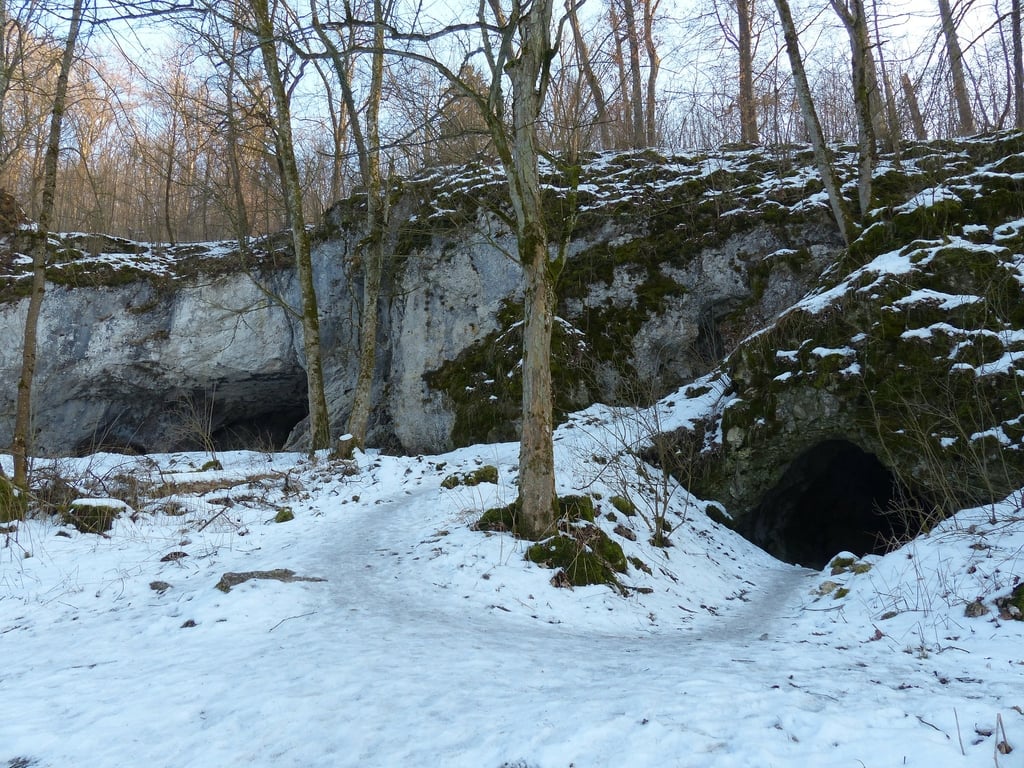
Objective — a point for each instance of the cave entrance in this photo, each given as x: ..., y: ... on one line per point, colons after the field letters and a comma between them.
x: 832, y: 498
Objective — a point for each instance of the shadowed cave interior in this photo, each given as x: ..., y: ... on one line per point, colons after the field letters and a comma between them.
x: 832, y: 498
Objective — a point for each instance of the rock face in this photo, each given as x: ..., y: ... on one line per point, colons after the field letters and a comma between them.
x: 890, y: 395
x: 139, y: 367
x: 155, y: 348
x: 868, y: 391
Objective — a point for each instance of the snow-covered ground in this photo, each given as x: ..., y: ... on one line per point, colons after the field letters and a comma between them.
x: 430, y: 644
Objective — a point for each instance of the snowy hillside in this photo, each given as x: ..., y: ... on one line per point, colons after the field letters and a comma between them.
x: 402, y: 637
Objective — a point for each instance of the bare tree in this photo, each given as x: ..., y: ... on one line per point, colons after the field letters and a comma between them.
x: 840, y: 207
x: 650, y: 9
x: 956, y: 68
x: 866, y: 96
x: 527, y: 66
x: 1018, y: 65
x: 632, y: 26
x: 372, y: 249
x: 745, y: 48
x: 319, y: 424
x: 20, y: 445
x: 586, y: 65
x: 916, y: 118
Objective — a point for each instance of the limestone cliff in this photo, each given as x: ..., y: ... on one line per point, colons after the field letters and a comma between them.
x: 673, y: 259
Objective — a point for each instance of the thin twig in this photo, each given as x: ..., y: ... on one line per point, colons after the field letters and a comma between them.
x: 1002, y: 745
x: 288, y: 618
x: 958, y: 734
x: 931, y: 725
x: 203, y: 526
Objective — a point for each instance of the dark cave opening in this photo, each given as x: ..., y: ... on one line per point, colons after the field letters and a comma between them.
x: 252, y: 414
x: 263, y: 431
x: 832, y: 498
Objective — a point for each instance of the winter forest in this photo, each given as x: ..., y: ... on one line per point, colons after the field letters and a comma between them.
x: 170, y: 122
x: 517, y: 384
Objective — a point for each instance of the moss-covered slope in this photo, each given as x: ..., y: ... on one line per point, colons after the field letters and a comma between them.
x: 911, y: 349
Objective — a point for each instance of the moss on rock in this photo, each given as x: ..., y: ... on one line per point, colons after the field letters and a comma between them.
x: 576, y: 508
x: 12, y: 502
x: 488, y: 473
x: 499, y: 519
x: 911, y: 351
x: 94, y: 515
x: 584, y: 555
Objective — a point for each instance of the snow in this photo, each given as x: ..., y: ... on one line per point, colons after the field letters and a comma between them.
x: 944, y: 301
x: 829, y: 351
x: 433, y: 644
x: 927, y: 198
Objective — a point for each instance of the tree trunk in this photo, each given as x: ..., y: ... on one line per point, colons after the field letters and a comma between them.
x: 920, y: 133
x: 21, y: 441
x: 373, y: 254
x: 840, y: 207
x: 583, y: 56
x: 169, y: 178
x: 1018, y: 66
x: 639, y: 134
x: 623, y: 131
x: 865, y: 94
x: 653, y: 67
x: 240, y: 213
x: 748, y: 107
x: 888, y: 130
x: 319, y: 425
x: 529, y: 75
x: 956, y: 69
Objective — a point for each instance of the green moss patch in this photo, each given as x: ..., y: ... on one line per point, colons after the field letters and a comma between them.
x: 583, y: 555
x: 485, y: 474
x: 624, y: 505
x: 576, y: 508
x: 12, y: 502
x: 499, y: 519
x: 848, y: 565
x: 284, y: 515
x: 94, y: 515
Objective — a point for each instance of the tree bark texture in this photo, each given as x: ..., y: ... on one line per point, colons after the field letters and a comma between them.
x: 840, y: 207
x: 528, y: 74
x: 319, y: 425
x: 1018, y: 66
x: 956, y: 69
x: 373, y: 252
x: 747, y: 105
x: 21, y: 441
